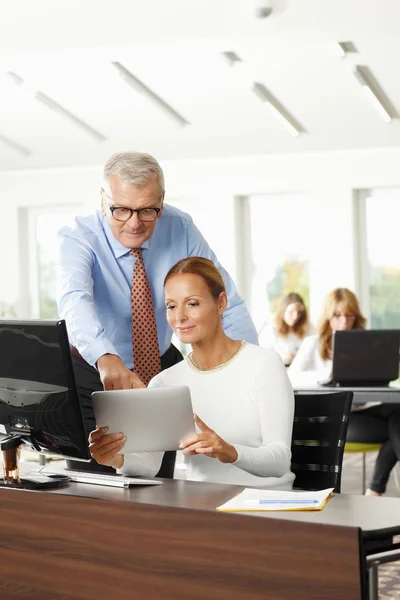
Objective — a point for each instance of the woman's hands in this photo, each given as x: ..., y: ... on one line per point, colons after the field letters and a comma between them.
x: 208, y: 443
x: 104, y: 446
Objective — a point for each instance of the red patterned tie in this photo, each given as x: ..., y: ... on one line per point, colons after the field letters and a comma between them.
x: 146, y: 353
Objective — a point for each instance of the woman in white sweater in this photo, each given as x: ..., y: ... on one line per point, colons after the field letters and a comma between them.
x: 241, y: 395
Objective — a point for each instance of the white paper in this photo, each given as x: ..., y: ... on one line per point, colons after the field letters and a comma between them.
x: 260, y: 500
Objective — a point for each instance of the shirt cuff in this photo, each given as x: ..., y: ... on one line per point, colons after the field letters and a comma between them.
x: 96, y: 349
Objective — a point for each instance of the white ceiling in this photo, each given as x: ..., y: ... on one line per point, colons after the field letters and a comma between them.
x: 64, y: 49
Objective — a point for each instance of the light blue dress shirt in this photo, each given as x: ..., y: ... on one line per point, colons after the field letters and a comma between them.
x: 95, y: 277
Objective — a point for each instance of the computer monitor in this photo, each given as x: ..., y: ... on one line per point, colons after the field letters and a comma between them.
x: 365, y: 357
x: 39, y: 401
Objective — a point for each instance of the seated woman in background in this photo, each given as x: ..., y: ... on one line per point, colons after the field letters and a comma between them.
x: 368, y: 423
x: 241, y: 394
x: 290, y: 328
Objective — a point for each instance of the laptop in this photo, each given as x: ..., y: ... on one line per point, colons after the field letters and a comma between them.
x: 364, y: 358
x: 151, y: 419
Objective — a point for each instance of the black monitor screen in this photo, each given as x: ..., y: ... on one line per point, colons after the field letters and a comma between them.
x: 38, y: 395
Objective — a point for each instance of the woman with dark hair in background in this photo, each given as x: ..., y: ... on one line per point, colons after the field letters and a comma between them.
x: 241, y: 395
x: 369, y: 422
x: 289, y: 329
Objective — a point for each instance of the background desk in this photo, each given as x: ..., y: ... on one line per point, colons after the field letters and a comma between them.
x: 387, y: 395
x: 165, y: 542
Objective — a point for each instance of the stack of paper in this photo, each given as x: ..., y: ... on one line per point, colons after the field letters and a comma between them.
x: 259, y: 500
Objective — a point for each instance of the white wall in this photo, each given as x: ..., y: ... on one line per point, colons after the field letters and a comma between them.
x: 329, y: 178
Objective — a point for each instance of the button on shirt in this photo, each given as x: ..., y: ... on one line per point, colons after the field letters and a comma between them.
x: 95, y: 275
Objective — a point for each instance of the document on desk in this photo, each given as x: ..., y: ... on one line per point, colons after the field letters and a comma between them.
x: 257, y: 500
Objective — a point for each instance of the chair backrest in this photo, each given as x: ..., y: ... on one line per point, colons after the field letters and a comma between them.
x: 318, y: 439
x: 167, y: 465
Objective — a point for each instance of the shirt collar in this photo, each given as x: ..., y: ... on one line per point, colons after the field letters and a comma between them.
x: 116, y: 246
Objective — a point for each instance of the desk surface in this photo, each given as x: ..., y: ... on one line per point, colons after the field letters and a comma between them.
x: 387, y: 395
x: 376, y: 517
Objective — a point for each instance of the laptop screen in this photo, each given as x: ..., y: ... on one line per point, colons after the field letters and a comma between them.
x: 366, y: 357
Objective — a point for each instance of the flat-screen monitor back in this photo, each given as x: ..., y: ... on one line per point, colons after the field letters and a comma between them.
x: 366, y: 357
x: 38, y: 394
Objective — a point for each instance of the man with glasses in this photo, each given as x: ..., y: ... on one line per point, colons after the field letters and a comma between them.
x: 112, y: 270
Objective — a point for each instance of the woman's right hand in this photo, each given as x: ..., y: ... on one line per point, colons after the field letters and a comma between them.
x: 104, y: 447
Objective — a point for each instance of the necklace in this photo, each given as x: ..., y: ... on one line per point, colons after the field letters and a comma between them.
x: 193, y: 365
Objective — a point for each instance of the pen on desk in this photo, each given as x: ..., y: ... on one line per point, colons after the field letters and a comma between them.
x: 270, y: 501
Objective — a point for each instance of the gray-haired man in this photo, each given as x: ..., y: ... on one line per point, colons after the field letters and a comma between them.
x: 97, y: 276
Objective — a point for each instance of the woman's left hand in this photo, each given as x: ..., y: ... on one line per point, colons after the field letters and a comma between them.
x: 208, y: 443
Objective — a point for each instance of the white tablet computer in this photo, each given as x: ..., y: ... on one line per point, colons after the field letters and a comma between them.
x: 151, y: 419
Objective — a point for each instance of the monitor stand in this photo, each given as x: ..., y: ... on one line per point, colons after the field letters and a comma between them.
x: 33, y: 480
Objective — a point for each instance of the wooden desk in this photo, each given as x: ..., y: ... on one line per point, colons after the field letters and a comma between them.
x: 388, y: 395
x: 168, y: 542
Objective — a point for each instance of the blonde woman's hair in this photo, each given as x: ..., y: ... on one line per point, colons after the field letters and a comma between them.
x: 350, y: 303
x: 300, y: 328
x: 205, y: 268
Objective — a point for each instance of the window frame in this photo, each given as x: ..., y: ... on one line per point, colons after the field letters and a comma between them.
x: 360, y: 247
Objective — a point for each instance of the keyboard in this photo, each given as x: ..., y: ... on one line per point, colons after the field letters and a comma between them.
x: 108, y: 480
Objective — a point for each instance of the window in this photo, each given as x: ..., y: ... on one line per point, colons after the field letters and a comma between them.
x: 380, y: 259
x: 280, y: 242
x: 44, y: 225
x: 208, y: 220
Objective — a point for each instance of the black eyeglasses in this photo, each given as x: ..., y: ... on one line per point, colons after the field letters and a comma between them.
x: 121, y: 213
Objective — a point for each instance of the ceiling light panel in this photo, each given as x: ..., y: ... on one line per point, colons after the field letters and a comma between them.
x: 279, y: 112
x: 43, y: 131
x: 375, y: 93
x: 53, y: 105
x: 231, y: 58
x: 246, y: 74
x: 142, y: 88
x: 60, y: 110
x: 342, y: 49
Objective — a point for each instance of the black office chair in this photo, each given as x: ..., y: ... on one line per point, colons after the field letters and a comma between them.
x: 318, y: 438
x: 167, y: 465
